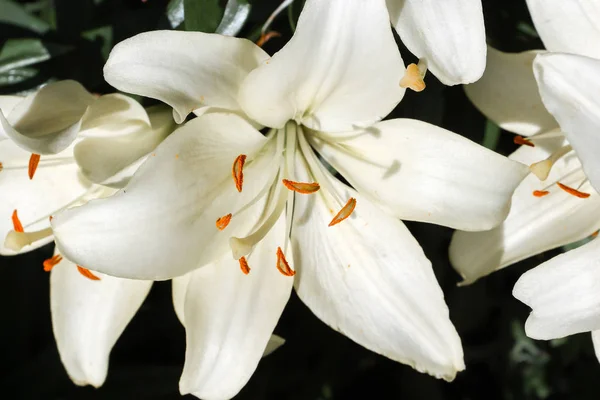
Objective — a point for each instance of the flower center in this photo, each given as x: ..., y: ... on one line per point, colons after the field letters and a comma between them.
x: 280, y: 192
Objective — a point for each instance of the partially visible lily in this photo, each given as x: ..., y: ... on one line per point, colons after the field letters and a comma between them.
x: 564, y: 292
x: 447, y: 36
x: 218, y: 187
x: 544, y: 214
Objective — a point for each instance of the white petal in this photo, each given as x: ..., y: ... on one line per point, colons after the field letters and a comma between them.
x: 229, y: 318
x: 162, y: 224
x: 570, y: 27
x: 102, y: 157
x: 448, y: 34
x: 275, y: 342
x: 88, y: 317
x: 507, y: 93
x: 341, y: 69
x: 55, y: 184
x: 596, y: 342
x: 7, y: 103
x: 570, y: 89
x: 179, y: 289
x: 47, y: 121
x: 186, y: 70
x: 418, y: 171
x: 564, y: 294
x: 113, y: 115
x: 368, y: 278
x: 534, y: 224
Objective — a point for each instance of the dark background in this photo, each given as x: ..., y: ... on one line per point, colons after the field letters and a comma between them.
x: 316, y: 363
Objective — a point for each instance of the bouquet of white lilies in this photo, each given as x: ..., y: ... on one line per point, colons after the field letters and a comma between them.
x: 250, y: 174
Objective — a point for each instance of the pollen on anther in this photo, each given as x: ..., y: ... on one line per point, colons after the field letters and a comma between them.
x: 540, y: 193
x: 301, y: 187
x: 51, y: 262
x: 282, y: 264
x: 1, y: 166
x: 520, y: 140
x: 237, y: 171
x: 595, y: 234
x: 87, y: 273
x: 17, y: 225
x: 223, y: 221
x: 345, y: 212
x: 244, y: 265
x: 573, y: 192
x: 34, y: 160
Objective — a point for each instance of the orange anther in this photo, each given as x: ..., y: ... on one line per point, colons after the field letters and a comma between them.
x: 1, y: 166
x: 540, y: 193
x: 344, y: 212
x: 595, y: 234
x: 301, y: 187
x: 223, y: 222
x: 244, y: 265
x: 573, y: 192
x: 520, y: 140
x: 87, y: 273
x: 17, y: 225
x: 51, y: 262
x: 34, y: 160
x: 282, y: 264
x: 265, y: 37
x: 237, y: 171
x: 413, y: 79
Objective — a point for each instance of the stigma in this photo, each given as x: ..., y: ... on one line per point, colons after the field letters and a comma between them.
x: 413, y: 79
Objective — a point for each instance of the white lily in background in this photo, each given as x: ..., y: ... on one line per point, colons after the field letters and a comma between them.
x: 112, y: 135
x: 564, y: 292
x: 508, y: 94
x: 286, y: 219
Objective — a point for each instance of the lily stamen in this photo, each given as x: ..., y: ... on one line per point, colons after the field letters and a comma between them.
x: 52, y: 262
x: 574, y: 192
x: 520, y: 140
x: 540, y: 193
x: 344, y: 213
x: 542, y: 168
x: 17, y: 225
x: 34, y: 160
x: 413, y: 79
x: 87, y: 273
x: 223, y: 221
x: 301, y: 187
x: 282, y: 264
x: 244, y: 265
x: 237, y: 171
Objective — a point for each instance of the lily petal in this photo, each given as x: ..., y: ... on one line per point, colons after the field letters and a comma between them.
x: 564, y: 294
x: 56, y: 184
x: 596, y: 342
x: 88, y: 317
x: 7, y: 103
x: 449, y: 35
x: 368, y: 278
x: 534, y: 224
x: 113, y: 115
x: 569, y: 86
x: 222, y: 353
x: 418, y: 171
x: 331, y: 75
x: 570, y: 27
x: 507, y: 94
x: 186, y: 70
x: 101, y: 158
x: 162, y: 224
x: 47, y: 121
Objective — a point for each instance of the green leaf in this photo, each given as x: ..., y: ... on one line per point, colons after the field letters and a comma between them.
x: 18, y: 53
x: 235, y: 16
x: 491, y: 135
x: 202, y: 15
x: 17, y: 75
x: 14, y: 14
x: 103, y: 33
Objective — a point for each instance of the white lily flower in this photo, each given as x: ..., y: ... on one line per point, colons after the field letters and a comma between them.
x: 447, y: 36
x: 508, y: 94
x: 364, y: 274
